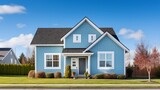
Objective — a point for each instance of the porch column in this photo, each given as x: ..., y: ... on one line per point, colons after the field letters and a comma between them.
x: 89, y: 65
x: 64, y: 64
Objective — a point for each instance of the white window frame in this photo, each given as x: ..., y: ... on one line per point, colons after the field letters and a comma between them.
x: 90, y: 39
x: 105, y: 52
x: 11, y: 52
x: 74, y: 60
x: 74, y: 38
x: 45, y: 54
x: 11, y: 60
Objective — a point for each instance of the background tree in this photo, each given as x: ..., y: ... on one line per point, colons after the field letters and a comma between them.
x: 144, y: 59
x: 22, y: 59
x: 31, y: 60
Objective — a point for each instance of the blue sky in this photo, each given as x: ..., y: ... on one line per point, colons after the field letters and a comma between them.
x: 132, y: 20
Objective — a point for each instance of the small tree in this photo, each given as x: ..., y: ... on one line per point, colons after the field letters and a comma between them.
x: 68, y: 71
x: 144, y: 59
x: 129, y: 70
x: 31, y: 60
x: 22, y: 59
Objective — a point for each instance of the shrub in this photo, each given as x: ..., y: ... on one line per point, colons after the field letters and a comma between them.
x: 40, y: 75
x: 121, y: 76
x: 68, y: 71
x: 31, y: 74
x: 85, y: 74
x: 129, y: 71
x: 157, y: 71
x: 15, y: 69
x: 107, y: 76
x: 113, y: 76
x: 98, y: 76
x: 58, y: 75
x: 49, y: 75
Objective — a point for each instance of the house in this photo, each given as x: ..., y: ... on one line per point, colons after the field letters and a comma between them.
x: 7, y: 56
x: 85, y: 47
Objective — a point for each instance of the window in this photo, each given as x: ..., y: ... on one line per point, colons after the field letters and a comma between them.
x: 74, y: 63
x: 105, y: 60
x: 11, y: 60
x: 76, y: 38
x: 11, y: 52
x: 52, y: 60
x: 91, y: 38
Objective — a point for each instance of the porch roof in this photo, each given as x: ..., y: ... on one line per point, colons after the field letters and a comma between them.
x: 74, y: 50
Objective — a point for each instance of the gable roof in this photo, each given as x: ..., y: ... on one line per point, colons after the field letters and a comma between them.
x: 81, y: 22
x: 49, y: 35
x: 54, y: 35
x: 101, y: 37
x: 4, y: 52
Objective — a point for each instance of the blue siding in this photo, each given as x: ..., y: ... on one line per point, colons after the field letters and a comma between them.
x: 106, y: 44
x: 40, y: 58
x: 84, y: 30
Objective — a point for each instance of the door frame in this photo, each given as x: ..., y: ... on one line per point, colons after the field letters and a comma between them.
x: 78, y: 58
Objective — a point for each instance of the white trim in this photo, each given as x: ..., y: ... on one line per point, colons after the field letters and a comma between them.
x: 35, y: 59
x: 64, y: 43
x: 48, y: 44
x: 52, y: 57
x: 89, y: 69
x: 106, y: 33
x: 15, y: 57
x: 89, y: 38
x: 64, y: 64
x: 124, y: 64
x: 85, y: 19
x: 76, y: 60
x: 75, y: 40
x: 105, y: 52
x: 6, y: 54
x: 77, y: 54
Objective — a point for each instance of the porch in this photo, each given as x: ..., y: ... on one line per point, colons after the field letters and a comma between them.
x: 79, y: 62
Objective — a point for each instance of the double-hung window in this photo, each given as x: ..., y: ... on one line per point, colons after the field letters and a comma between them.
x: 105, y: 60
x: 52, y: 61
x: 76, y: 38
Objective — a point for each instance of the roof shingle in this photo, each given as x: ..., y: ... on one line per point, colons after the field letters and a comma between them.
x: 54, y: 35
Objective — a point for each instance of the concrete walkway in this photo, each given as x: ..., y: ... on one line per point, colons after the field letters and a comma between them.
x: 70, y: 86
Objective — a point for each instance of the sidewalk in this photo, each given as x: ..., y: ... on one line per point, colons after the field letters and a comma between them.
x: 80, y: 86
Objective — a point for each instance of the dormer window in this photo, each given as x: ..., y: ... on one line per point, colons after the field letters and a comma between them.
x: 76, y: 38
x: 91, y: 38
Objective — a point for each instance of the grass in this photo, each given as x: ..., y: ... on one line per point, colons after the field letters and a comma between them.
x: 24, y: 80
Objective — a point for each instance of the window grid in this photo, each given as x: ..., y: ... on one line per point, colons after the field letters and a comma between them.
x: 52, y: 60
x: 105, y: 59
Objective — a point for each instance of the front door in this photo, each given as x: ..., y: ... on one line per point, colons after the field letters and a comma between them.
x: 82, y: 66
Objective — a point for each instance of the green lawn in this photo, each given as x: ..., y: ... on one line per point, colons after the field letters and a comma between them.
x: 25, y: 80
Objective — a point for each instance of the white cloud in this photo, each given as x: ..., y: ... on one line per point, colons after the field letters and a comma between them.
x: 20, y: 25
x: 23, y: 40
x: 11, y: 9
x: 131, y: 34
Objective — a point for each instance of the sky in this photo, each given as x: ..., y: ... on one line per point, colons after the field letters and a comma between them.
x: 133, y: 20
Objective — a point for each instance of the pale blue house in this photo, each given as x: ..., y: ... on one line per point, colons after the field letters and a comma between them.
x: 85, y: 47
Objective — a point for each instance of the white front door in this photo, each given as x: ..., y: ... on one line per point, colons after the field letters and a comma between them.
x: 74, y: 63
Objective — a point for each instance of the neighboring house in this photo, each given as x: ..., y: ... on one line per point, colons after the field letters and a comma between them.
x: 85, y: 47
x: 7, y: 56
